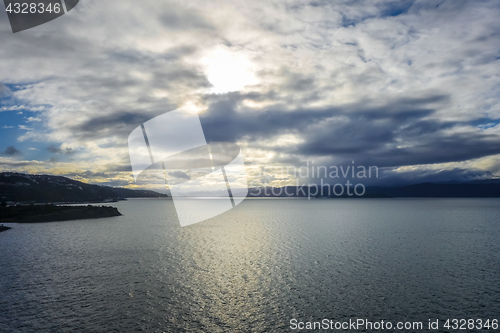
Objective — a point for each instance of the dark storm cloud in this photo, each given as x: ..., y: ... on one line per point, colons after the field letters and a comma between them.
x: 398, y: 141
x: 12, y: 151
x: 119, y: 123
x: 399, y: 133
x: 222, y: 123
x: 378, y: 145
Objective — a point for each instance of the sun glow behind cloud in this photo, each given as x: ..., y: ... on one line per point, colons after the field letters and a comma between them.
x: 228, y: 71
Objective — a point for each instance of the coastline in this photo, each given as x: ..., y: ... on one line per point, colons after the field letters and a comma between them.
x: 51, y: 213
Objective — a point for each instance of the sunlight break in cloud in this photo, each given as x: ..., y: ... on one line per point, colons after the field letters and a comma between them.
x: 228, y: 71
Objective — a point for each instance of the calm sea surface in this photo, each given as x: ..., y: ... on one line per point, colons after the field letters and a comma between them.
x: 254, y: 268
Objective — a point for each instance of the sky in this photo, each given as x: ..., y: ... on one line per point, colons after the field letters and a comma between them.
x: 409, y: 86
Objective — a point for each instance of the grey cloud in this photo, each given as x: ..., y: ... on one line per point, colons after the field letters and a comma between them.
x: 4, y: 90
x: 402, y: 132
x: 120, y: 168
x: 299, y: 82
x: 180, y: 174
x: 184, y: 19
x: 12, y: 151
x: 385, y: 146
x: 116, y: 124
x: 18, y: 165
x: 120, y: 122
x: 111, y: 124
x: 57, y: 150
x: 236, y: 125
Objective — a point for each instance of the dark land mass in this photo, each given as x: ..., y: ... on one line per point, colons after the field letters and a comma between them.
x: 24, y: 188
x: 436, y: 190
x: 4, y: 228
x: 51, y: 213
x: 475, y: 189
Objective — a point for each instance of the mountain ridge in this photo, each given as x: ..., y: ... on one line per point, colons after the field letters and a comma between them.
x: 483, y: 189
x: 28, y: 188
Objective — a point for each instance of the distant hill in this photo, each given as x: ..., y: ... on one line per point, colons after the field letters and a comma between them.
x: 479, y: 189
x: 19, y: 187
x: 475, y: 189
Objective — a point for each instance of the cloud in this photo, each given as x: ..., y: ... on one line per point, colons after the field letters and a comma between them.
x: 7, y: 126
x: 390, y: 83
x: 33, y: 119
x: 401, y: 132
x: 4, y: 90
x: 180, y: 174
x: 57, y: 150
x: 12, y: 151
x: 22, y: 107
